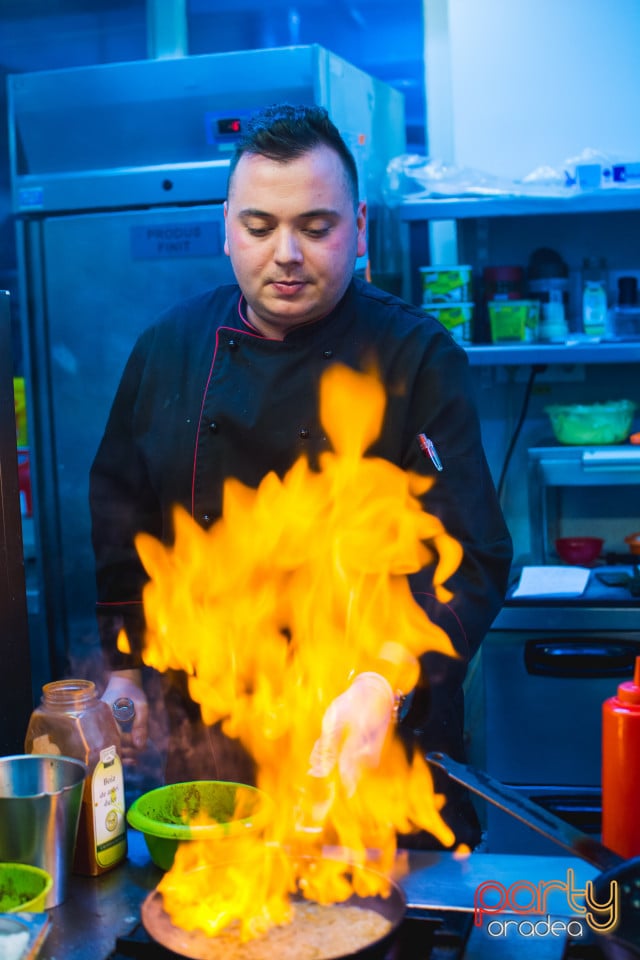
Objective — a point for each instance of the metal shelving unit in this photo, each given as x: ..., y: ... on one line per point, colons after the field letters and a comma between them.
x: 572, y: 352
x: 607, y: 200
x: 418, y: 213
x: 553, y: 467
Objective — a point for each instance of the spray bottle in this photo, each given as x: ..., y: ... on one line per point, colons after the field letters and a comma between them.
x: 621, y: 768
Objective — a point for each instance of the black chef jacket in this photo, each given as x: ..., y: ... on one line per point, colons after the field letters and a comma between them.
x: 205, y: 397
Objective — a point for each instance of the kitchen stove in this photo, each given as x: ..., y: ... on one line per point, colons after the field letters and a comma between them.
x: 434, y: 935
x: 547, y: 666
x: 101, y: 920
x: 609, y: 603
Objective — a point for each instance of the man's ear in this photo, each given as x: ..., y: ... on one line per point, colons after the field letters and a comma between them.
x: 225, y: 209
x: 361, y: 222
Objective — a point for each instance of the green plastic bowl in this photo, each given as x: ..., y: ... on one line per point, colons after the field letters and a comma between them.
x: 594, y: 423
x: 23, y: 888
x: 165, y: 815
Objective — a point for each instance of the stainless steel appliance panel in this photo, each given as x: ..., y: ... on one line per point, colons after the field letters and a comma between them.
x: 162, y: 131
x: 118, y: 176
x: 543, y: 699
x: 543, y: 696
x: 579, y: 806
x: 103, y: 279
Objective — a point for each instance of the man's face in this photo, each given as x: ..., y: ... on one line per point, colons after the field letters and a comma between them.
x: 293, y: 236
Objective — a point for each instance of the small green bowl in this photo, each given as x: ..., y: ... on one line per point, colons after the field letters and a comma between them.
x: 23, y: 888
x: 165, y: 815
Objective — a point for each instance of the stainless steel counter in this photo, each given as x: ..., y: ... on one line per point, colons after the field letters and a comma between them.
x: 98, y: 910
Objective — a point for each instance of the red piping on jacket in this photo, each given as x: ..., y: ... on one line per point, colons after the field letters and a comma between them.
x: 118, y: 603
x: 449, y: 609
x: 251, y: 332
x: 195, y: 449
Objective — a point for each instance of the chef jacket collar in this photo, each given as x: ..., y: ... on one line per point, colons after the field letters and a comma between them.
x: 307, y: 329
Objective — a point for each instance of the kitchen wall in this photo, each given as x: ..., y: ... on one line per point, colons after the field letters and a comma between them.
x: 533, y: 82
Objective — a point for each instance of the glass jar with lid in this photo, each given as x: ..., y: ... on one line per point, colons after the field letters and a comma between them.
x: 72, y: 721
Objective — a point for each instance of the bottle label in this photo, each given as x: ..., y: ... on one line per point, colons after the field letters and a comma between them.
x: 594, y: 309
x: 107, y: 794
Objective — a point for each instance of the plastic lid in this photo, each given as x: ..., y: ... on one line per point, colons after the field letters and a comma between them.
x: 629, y: 692
x: 444, y: 267
x: 545, y: 263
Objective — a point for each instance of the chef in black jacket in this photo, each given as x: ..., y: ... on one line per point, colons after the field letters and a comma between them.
x: 225, y: 384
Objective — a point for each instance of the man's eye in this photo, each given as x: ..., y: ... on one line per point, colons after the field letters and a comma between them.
x: 317, y: 232
x: 258, y: 231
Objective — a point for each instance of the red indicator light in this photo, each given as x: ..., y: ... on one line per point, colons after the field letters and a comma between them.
x: 229, y: 125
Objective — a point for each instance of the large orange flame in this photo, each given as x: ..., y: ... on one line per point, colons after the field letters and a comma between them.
x: 298, y: 587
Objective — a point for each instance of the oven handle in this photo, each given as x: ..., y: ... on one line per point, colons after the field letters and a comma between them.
x: 582, y: 810
x: 580, y: 658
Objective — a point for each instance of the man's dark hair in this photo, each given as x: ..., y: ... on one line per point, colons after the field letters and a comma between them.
x: 284, y: 132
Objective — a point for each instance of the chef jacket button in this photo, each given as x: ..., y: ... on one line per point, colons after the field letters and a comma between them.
x: 232, y: 344
x: 304, y: 433
x: 327, y: 354
x: 213, y: 427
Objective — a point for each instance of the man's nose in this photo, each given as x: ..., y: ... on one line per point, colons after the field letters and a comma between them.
x: 287, y: 247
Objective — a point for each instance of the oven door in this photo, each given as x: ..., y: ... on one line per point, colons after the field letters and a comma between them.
x: 543, y: 696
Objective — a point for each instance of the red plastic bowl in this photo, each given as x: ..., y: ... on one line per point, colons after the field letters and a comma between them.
x: 579, y: 549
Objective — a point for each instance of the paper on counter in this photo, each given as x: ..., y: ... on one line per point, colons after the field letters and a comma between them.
x: 22, y: 935
x: 552, y: 582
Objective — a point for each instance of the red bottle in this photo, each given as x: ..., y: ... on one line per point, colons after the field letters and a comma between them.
x: 621, y: 768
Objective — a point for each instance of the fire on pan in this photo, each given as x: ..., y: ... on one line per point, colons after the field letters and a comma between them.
x: 363, y: 927
x: 300, y: 586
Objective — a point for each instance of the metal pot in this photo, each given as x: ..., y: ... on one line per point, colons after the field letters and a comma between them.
x: 197, y: 946
x: 623, y: 943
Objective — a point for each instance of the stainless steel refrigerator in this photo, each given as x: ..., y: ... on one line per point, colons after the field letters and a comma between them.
x: 118, y: 180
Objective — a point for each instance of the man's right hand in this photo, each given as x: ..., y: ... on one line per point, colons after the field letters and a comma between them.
x: 128, y: 683
x: 354, y: 728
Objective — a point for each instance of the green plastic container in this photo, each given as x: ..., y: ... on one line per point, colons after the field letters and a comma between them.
x: 166, y: 815
x: 23, y: 888
x: 595, y: 423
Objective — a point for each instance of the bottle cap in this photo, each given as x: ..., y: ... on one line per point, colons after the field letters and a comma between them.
x: 124, y: 711
x: 629, y: 692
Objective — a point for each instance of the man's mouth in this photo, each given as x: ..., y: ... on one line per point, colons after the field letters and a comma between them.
x: 288, y: 282
x: 288, y: 287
